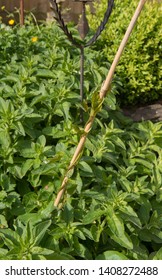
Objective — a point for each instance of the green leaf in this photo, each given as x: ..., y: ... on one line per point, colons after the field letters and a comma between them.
x: 27, y: 236
x: 45, y: 73
x: 114, y: 222
x: 3, y: 194
x: 158, y: 255
x: 128, y: 214
x: 3, y: 222
x: 26, y: 166
x: 87, y: 233
x: 68, y: 213
x: 96, y: 103
x: 118, y: 142
x: 144, y: 210
x: 159, y: 195
x: 10, y: 237
x: 111, y: 100
x: 3, y: 106
x: 125, y: 183
x: 124, y: 240
x: 55, y: 132
x: 81, y: 250
x: 40, y: 230
x: 95, y: 195
x: 19, y: 127
x: 41, y: 251
x: 33, y: 217
x: 66, y: 108
x: 93, y: 215
x: 3, y: 253
x: 117, y: 230
x: 96, y: 233
x: 46, y: 211
x: 143, y: 162
x: 5, y: 139
x: 41, y: 140
x: 85, y: 167
x: 26, y: 149
x: 111, y: 255
x: 59, y: 256
x: 80, y: 234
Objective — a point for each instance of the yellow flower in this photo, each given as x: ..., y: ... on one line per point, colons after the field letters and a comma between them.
x: 11, y: 22
x: 2, y: 8
x: 34, y: 39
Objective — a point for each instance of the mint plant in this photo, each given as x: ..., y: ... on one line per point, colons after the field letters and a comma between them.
x: 118, y: 175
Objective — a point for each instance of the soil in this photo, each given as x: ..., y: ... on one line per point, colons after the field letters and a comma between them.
x: 151, y: 112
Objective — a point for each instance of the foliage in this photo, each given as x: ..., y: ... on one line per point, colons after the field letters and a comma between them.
x: 140, y: 66
x: 112, y: 206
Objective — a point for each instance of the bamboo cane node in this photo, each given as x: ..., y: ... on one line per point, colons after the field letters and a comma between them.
x: 103, y: 93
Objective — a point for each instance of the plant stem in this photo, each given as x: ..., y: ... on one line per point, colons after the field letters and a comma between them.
x: 103, y: 91
x: 81, y: 82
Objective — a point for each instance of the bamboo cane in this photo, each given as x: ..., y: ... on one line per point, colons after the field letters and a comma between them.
x: 103, y: 91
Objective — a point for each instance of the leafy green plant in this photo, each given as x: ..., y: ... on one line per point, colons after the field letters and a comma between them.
x: 119, y: 173
x: 140, y: 66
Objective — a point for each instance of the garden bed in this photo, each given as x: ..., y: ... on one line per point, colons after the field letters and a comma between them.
x: 112, y: 206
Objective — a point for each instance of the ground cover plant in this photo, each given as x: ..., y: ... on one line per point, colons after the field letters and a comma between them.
x: 112, y: 208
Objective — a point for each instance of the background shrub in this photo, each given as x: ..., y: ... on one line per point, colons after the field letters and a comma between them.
x: 140, y: 67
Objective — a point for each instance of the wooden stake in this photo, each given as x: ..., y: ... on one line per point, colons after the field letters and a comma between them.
x: 102, y: 94
x: 21, y: 12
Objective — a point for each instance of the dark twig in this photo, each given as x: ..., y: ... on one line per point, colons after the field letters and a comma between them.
x: 62, y: 25
x: 102, y: 25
